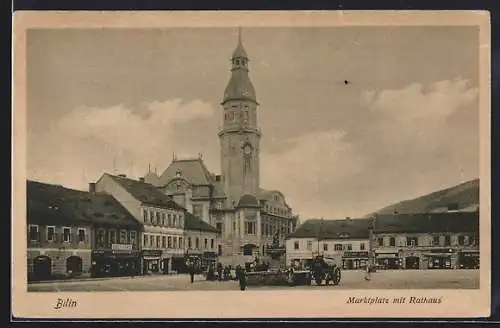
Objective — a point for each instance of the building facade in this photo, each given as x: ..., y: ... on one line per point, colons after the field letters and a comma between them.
x: 58, y: 236
x: 247, y: 217
x: 446, y: 240
x: 346, y: 241
x: 161, y: 218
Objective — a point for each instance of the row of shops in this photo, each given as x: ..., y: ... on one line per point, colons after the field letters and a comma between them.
x: 150, y: 261
x: 411, y: 260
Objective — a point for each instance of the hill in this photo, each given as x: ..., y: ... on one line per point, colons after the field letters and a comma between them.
x: 462, y: 197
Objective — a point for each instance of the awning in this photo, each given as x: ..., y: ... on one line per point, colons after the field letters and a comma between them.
x: 437, y: 254
x: 387, y: 256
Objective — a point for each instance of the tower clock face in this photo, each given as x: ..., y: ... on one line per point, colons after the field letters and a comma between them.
x: 247, y: 149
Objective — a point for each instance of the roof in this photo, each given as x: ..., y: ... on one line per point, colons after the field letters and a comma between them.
x: 191, y: 222
x: 193, y: 170
x: 248, y: 201
x: 428, y: 222
x: 239, y: 52
x: 146, y: 193
x: 63, y: 205
x: 332, y: 229
x: 240, y: 87
x: 152, y: 178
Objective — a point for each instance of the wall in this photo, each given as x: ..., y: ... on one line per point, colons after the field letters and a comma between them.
x: 58, y: 250
x: 201, y: 235
x: 306, y: 253
x: 108, y: 185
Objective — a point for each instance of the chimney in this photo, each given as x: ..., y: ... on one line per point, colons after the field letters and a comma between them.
x: 218, y: 177
x: 348, y: 218
x: 92, y: 187
x: 452, y: 207
x: 122, y: 175
x: 141, y: 179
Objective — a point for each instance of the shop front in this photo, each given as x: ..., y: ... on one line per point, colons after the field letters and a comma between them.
x: 388, y: 260
x: 120, y: 260
x: 439, y: 259
x: 468, y: 260
x: 354, y: 260
x: 152, y: 261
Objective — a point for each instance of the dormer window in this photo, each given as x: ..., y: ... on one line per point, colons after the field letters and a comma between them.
x: 178, y: 173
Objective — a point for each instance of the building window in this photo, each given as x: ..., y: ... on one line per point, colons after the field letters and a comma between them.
x: 33, y: 232
x: 152, y: 241
x: 325, y: 247
x: 175, y: 221
x: 111, y: 236
x: 197, y: 243
x: 181, y: 245
x: 212, y: 243
x: 466, y: 240
x: 158, y: 219
x: 163, y: 217
x: 169, y: 220
x: 392, y: 241
x: 435, y: 240
x: 67, y: 235
x: 145, y: 215
x: 234, y: 226
x: 51, y: 233
x: 133, y: 236
x: 447, y: 240
x: 164, y: 241
x: 81, y: 235
x: 123, y: 236
x: 146, y: 240
x: 380, y: 241
x: 337, y: 247
x: 218, y: 226
x: 175, y: 242
x: 152, y: 217
x: 250, y: 228
x: 169, y: 245
x: 206, y: 243
x: 189, y: 242
x: 181, y: 220
x: 309, y: 245
x: 461, y: 240
x: 411, y: 241
x: 362, y: 246
x: 349, y: 247
x: 296, y: 245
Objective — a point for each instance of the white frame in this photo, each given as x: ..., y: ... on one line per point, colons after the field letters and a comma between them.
x: 84, y: 235
x: 47, y: 234
x: 63, y: 235
x: 109, y: 236
x: 120, y: 236
x: 37, y: 232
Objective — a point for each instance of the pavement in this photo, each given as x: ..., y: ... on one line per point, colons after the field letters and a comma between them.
x: 404, y: 279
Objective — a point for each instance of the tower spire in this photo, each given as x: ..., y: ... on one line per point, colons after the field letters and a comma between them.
x: 239, y: 34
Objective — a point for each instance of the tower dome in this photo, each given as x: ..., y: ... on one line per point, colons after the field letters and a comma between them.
x: 239, y: 87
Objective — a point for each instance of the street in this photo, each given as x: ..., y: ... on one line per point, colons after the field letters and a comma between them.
x: 407, y: 279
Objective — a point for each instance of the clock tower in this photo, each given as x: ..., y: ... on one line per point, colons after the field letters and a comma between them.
x: 240, y: 136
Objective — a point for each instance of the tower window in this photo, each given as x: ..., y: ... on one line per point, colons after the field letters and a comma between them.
x: 237, y: 62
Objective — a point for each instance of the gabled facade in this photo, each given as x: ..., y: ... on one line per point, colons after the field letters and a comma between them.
x: 162, y: 220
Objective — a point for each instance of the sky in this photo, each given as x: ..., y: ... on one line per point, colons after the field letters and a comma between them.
x: 406, y: 124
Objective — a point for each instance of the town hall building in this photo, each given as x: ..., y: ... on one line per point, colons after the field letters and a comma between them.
x: 249, y: 219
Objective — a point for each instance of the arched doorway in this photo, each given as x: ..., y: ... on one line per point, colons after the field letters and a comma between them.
x: 248, y: 249
x: 42, y: 268
x: 74, y: 265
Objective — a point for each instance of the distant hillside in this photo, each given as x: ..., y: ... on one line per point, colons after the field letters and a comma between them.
x: 463, y: 197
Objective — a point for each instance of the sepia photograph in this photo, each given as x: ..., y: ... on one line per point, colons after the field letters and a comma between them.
x: 267, y: 158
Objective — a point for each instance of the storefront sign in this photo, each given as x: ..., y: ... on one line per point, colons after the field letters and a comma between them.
x: 152, y: 252
x: 355, y: 254
x: 121, y: 247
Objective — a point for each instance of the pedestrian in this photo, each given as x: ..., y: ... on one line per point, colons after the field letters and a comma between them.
x: 242, y: 280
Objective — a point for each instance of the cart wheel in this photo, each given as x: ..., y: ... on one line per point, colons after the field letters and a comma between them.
x: 336, y: 276
x: 318, y: 280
